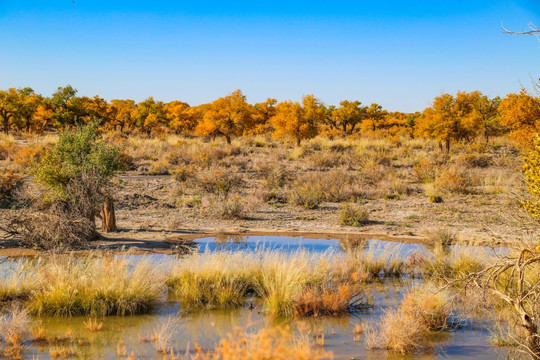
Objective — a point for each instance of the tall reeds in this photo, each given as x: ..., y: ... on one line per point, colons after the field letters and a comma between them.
x: 65, y: 285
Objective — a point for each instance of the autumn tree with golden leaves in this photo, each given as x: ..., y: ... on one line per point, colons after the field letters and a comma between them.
x: 227, y: 116
x: 298, y: 121
x: 348, y: 115
x: 181, y: 117
x: 521, y: 113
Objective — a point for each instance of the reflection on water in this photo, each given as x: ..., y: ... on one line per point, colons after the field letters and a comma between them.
x: 284, y: 243
x: 207, y: 327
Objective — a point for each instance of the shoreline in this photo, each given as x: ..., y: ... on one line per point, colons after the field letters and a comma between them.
x: 172, y: 242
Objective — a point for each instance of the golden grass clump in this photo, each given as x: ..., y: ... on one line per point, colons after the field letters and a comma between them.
x: 68, y: 286
x: 286, y: 284
x: 14, y: 326
x: 213, y: 280
x: 269, y: 343
x: 325, y: 301
x: 406, y: 329
x: 301, y: 283
x: 93, y: 325
x: 18, y: 280
x: 447, y: 265
x: 164, y: 335
x: 379, y: 261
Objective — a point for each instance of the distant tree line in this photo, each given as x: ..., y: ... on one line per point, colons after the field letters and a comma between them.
x: 451, y: 118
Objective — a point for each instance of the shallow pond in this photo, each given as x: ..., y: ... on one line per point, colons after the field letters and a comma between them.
x: 207, y: 327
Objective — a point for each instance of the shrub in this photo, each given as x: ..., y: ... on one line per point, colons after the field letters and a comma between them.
x: 373, y: 171
x: 311, y: 189
x: 474, y: 160
x: 95, y: 286
x: 231, y: 207
x: 14, y: 325
x: 353, y: 215
x: 160, y: 167
x: 441, y: 236
x: 217, y: 181
x: 433, y: 193
x: 425, y: 170
x: 77, y: 155
x: 213, y: 280
x: 306, y: 195
x: 8, y: 150
x: 328, y: 159
x: 455, y: 180
x: 405, y: 330
x: 275, y: 174
x: 183, y: 173
x: 27, y: 155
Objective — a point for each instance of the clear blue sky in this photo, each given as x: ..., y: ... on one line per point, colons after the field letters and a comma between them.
x: 400, y: 54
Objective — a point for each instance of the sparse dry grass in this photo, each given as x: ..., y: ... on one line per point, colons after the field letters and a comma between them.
x: 320, y: 174
x: 14, y: 326
x: 270, y: 343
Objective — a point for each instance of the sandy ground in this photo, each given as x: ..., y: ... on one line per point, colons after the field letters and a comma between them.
x: 147, y: 210
x: 152, y: 220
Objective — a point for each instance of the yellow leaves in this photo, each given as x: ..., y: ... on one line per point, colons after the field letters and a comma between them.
x: 297, y: 121
x: 181, y: 117
x: 531, y: 170
x: 521, y: 113
x: 227, y: 116
x: 452, y: 119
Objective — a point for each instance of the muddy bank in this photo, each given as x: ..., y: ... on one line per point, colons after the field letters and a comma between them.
x: 181, y: 241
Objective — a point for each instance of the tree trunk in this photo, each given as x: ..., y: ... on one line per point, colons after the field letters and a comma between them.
x: 108, y: 218
x: 6, y: 124
x: 228, y: 137
x: 298, y: 141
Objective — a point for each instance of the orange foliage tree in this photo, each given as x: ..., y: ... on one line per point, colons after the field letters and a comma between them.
x: 121, y: 113
x: 452, y: 119
x: 374, y: 117
x: 149, y: 116
x: 348, y: 115
x: 298, y: 121
x: 8, y: 107
x: 521, y: 113
x: 27, y: 106
x: 227, y: 116
x: 262, y: 114
x: 181, y: 117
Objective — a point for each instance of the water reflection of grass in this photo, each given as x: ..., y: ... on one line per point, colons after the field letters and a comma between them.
x: 312, y: 293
